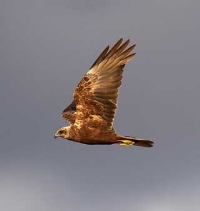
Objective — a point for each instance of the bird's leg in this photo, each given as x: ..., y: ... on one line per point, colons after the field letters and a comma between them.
x: 126, y: 143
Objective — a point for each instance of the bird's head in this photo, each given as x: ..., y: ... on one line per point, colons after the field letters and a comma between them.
x: 62, y: 132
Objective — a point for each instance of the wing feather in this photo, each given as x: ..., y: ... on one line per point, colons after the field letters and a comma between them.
x: 97, y: 92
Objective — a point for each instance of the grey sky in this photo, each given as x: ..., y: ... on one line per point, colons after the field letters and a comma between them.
x: 46, y: 48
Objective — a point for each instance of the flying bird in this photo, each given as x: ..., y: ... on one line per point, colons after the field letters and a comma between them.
x: 92, y: 111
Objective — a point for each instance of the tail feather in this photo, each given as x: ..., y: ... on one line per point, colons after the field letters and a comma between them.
x: 127, y: 141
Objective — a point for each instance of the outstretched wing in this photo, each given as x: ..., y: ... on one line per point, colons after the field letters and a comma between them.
x: 96, y: 95
x: 69, y: 112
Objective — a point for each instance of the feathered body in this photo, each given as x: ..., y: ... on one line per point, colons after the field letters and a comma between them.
x: 92, y: 111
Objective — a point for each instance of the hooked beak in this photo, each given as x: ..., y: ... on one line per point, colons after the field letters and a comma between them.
x: 56, y: 135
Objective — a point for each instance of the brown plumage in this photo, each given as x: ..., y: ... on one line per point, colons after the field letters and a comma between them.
x: 92, y: 111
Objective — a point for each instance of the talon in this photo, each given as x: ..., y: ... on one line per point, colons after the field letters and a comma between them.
x: 127, y: 143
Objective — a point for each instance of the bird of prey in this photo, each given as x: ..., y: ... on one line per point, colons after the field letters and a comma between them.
x: 92, y: 111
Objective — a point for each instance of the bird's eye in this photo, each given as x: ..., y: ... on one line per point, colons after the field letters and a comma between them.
x: 61, y: 132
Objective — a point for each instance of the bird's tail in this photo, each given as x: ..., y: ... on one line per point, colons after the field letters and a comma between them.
x: 128, y: 141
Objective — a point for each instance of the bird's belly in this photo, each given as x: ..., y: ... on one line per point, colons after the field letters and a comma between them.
x: 96, y: 136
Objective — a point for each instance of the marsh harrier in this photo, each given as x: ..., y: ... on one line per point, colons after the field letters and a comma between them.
x: 92, y: 111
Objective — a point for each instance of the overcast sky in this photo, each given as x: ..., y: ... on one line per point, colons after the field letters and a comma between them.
x: 45, y: 49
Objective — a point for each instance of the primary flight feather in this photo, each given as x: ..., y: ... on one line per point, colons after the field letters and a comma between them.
x: 92, y: 111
